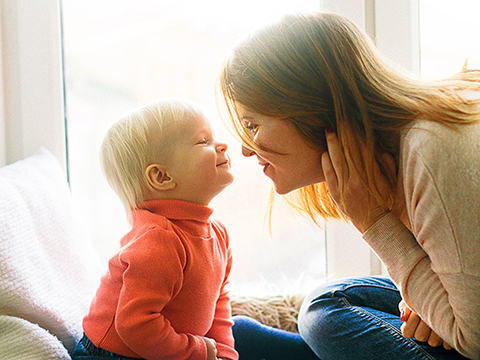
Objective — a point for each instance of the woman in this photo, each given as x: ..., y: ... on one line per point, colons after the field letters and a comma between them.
x: 400, y: 158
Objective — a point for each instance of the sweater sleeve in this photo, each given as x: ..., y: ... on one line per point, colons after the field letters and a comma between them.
x: 435, y: 265
x: 221, y: 329
x: 153, y: 275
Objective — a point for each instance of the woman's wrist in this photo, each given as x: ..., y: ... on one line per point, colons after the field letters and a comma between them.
x: 367, y: 224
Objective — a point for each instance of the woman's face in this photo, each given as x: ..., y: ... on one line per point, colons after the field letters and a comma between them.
x: 295, y: 163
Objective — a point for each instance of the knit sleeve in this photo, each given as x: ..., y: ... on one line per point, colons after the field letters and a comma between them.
x: 221, y: 329
x: 436, y: 264
x: 153, y: 276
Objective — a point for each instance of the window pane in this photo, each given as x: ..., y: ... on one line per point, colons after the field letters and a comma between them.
x: 449, y: 34
x: 122, y: 54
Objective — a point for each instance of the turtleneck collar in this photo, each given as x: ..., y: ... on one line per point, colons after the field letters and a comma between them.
x: 193, y: 218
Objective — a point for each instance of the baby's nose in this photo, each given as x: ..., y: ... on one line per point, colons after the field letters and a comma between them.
x: 222, y: 147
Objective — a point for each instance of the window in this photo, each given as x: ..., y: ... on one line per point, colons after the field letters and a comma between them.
x: 32, y: 110
x: 122, y: 54
x: 448, y: 36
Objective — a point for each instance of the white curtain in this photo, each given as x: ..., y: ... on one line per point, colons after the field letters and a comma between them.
x: 31, y: 80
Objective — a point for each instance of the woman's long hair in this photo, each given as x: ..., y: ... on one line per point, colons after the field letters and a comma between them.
x: 319, y: 70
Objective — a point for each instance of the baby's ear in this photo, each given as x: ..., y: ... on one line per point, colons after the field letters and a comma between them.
x: 158, y: 178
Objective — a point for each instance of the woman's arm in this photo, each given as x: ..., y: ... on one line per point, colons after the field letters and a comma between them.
x: 435, y: 269
x: 434, y: 260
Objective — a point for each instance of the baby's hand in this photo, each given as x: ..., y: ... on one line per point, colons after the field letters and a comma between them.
x: 211, y: 348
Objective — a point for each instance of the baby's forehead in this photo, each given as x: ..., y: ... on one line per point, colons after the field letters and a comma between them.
x: 190, y: 125
x: 184, y: 130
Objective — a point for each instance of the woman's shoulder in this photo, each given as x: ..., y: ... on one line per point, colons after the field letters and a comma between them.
x: 426, y: 136
x: 442, y: 151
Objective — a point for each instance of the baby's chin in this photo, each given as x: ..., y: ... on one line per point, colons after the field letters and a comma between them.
x: 228, y: 183
x: 223, y: 187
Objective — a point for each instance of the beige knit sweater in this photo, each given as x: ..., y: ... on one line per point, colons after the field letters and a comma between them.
x: 433, y: 255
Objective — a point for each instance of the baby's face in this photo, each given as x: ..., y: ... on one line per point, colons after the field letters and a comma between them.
x: 199, y: 163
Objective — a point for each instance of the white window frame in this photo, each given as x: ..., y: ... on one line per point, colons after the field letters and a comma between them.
x: 32, y: 91
x: 31, y: 81
x: 394, y: 26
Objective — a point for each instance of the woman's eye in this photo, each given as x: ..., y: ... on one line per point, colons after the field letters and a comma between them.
x: 250, y: 127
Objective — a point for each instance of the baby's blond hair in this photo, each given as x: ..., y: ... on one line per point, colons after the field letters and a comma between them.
x: 130, y: 145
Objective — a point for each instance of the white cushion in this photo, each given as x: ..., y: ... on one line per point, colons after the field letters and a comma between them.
x: 48, y: 274
x: 22, y: 340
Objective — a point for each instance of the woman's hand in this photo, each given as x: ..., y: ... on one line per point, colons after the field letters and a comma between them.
x: 348, y: 174
x: 414, y: 326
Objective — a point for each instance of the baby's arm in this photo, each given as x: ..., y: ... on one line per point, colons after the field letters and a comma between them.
x: 153, y: 275
x: 221, y: 329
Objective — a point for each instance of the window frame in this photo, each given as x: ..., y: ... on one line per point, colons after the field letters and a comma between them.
x: 32, y: 110
x: 394, y: 27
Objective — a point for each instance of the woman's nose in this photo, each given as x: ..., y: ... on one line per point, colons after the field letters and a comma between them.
x: 247, y: 151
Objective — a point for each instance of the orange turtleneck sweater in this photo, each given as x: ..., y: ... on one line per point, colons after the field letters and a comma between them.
x: 165, y: 287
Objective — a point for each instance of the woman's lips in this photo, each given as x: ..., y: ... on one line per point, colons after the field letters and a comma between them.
x: 265, y: 166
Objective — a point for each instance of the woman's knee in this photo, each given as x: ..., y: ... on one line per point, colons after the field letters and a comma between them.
x: 314, y: 317
x: 329, y: 303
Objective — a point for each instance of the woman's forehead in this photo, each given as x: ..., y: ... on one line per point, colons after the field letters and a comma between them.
x: 244, y: 112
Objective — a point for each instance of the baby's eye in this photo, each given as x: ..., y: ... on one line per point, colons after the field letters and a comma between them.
x: 204, y: 141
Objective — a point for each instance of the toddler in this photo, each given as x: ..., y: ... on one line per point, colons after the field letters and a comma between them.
x: 164, y: 294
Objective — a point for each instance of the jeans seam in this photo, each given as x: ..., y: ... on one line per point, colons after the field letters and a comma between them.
x: 348, y: 287
x: 392, y: 330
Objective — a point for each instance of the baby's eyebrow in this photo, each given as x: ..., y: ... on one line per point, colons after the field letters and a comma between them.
x: 204, y: 133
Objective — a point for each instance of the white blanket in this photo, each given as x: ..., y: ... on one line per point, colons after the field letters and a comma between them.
x: 20, y: 339
x: 47, y: 273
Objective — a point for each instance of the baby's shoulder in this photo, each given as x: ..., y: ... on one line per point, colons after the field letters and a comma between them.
x: 218, y: 225
x: 150, y: 234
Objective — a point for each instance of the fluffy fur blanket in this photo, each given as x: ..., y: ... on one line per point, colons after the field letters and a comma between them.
x: 279, y: 311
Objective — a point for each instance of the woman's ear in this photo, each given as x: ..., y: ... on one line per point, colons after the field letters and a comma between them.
x: 158, y: 178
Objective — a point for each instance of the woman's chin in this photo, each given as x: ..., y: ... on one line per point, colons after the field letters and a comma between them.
x: 282, y: 190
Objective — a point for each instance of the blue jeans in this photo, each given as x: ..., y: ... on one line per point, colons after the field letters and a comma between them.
x: 358, y: 318
x: 256, y: 341
x: 86, y: 350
